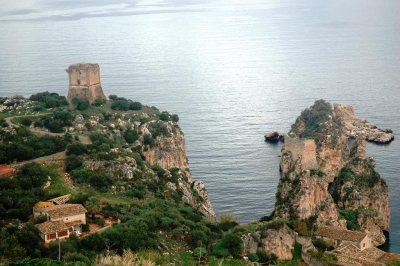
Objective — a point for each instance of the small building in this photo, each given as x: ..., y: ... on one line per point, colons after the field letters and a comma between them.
x: 62, y: 219
x: 344, y: 237
x: 6, y: 171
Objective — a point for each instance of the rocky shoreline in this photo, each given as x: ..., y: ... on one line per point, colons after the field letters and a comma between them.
x: 353, y: 127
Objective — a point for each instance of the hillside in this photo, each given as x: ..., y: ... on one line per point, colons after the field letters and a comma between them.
x: 126, y: 163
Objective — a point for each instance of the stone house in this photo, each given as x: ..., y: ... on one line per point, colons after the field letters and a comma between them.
x: 342, y: 236
x: 62, y: 220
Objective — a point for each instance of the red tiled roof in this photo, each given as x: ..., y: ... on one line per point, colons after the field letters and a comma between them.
x: 6, y: 170
x: 52, y: 227
x: 389, y: 257
x: 339, y: 233
x: 59, y: 211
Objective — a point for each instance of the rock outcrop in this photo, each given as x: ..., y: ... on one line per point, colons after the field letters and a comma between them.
x: 157, y: 156
x: 169, y: 149
x: 272, y: 136
x: 321, y: 177
x: 359, y: 127
x: 280, y: 242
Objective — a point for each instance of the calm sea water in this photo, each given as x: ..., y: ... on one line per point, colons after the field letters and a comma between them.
x: 232, y: 70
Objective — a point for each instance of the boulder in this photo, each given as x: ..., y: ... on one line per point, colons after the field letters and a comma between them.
x: 272, y: 136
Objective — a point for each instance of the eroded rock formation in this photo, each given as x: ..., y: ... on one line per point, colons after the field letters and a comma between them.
x: 321, y: 177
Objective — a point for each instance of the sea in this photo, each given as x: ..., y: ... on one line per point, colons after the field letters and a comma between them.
x: 232, y: 71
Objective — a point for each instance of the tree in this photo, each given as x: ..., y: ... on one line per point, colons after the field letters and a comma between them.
x: 135, y: 106
x: 31, y: 175
x: 233, y: 243
x: 26, y: 121
x: 73, y: 162
x: 93, y: 205
x: 76, y: 148
x: 120, y: 104
x: 131, y: 136
x: 113, y: 97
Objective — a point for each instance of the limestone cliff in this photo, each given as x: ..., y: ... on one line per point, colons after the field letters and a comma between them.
x: 321, y: 177
x: 157, y: 156
x: 168, y: 150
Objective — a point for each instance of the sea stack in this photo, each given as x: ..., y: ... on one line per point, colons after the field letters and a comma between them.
x: 84, y: 82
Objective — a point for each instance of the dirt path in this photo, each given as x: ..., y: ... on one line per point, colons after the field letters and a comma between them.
x: 44, y: 159
x: 83, y: 139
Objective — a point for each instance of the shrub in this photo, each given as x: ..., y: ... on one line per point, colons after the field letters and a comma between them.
x: 219, y: 250
x: 131, y: 136
x: 100, y: 222
x: 76, y: 148
x: 99, y: 102
x: 38, y: 108
x: 265, y: 257
x: 233, y: 243
x: 73, y: 162
x: 164, y: 116
x: 135, y: 106
x: 120, y: 104
x: 175, y: 118
x: 228, y: 217
x: 351, y: 218
x: 113, y: 97
x: 200, y: 252
x: 147, y: 139
x: 26, y: 121
x: 76, y: 257
x: 253, y: 257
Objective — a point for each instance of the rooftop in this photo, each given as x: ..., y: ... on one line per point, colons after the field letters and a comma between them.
x: 340, y: 233
x: 389, y: 258
x: 43, y: 204
x: 348, y: 250
x: 6, y: 170
x: 52, y: 227
x: 59, y: 211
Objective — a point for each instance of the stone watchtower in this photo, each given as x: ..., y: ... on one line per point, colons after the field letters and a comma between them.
x: 84, y: 82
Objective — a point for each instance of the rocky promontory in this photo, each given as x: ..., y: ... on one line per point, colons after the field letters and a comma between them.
x: 325, y: 180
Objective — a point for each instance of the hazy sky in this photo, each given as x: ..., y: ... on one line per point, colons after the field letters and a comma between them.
x: 75, y: 9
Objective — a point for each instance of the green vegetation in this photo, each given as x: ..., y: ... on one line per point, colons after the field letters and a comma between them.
x: 316, y: 122
x: 50, y: 100
x: 328, y: 257
x: 21, y: 144
x: 80, y: 105
x: 351, y: 218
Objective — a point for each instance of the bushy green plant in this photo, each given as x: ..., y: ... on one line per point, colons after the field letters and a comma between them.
x: 219, y: 250
x: 253, y: 257
x: 200, y: 252
x: 131, y: 136
x: 73, y: 162
x: 351, y: 218
x: 120, y: 104
x: 233, y: 243
x: 135, y: 106
x: 76, y: 148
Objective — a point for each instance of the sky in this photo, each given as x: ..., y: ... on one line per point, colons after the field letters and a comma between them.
x: 76, y: 9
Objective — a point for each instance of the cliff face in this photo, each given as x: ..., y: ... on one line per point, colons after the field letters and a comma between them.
x: 320, y: 175
x: 161, y: 161
x: 168, y: 150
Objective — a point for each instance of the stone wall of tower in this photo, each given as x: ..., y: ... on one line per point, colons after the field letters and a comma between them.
x: 84, y: 82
